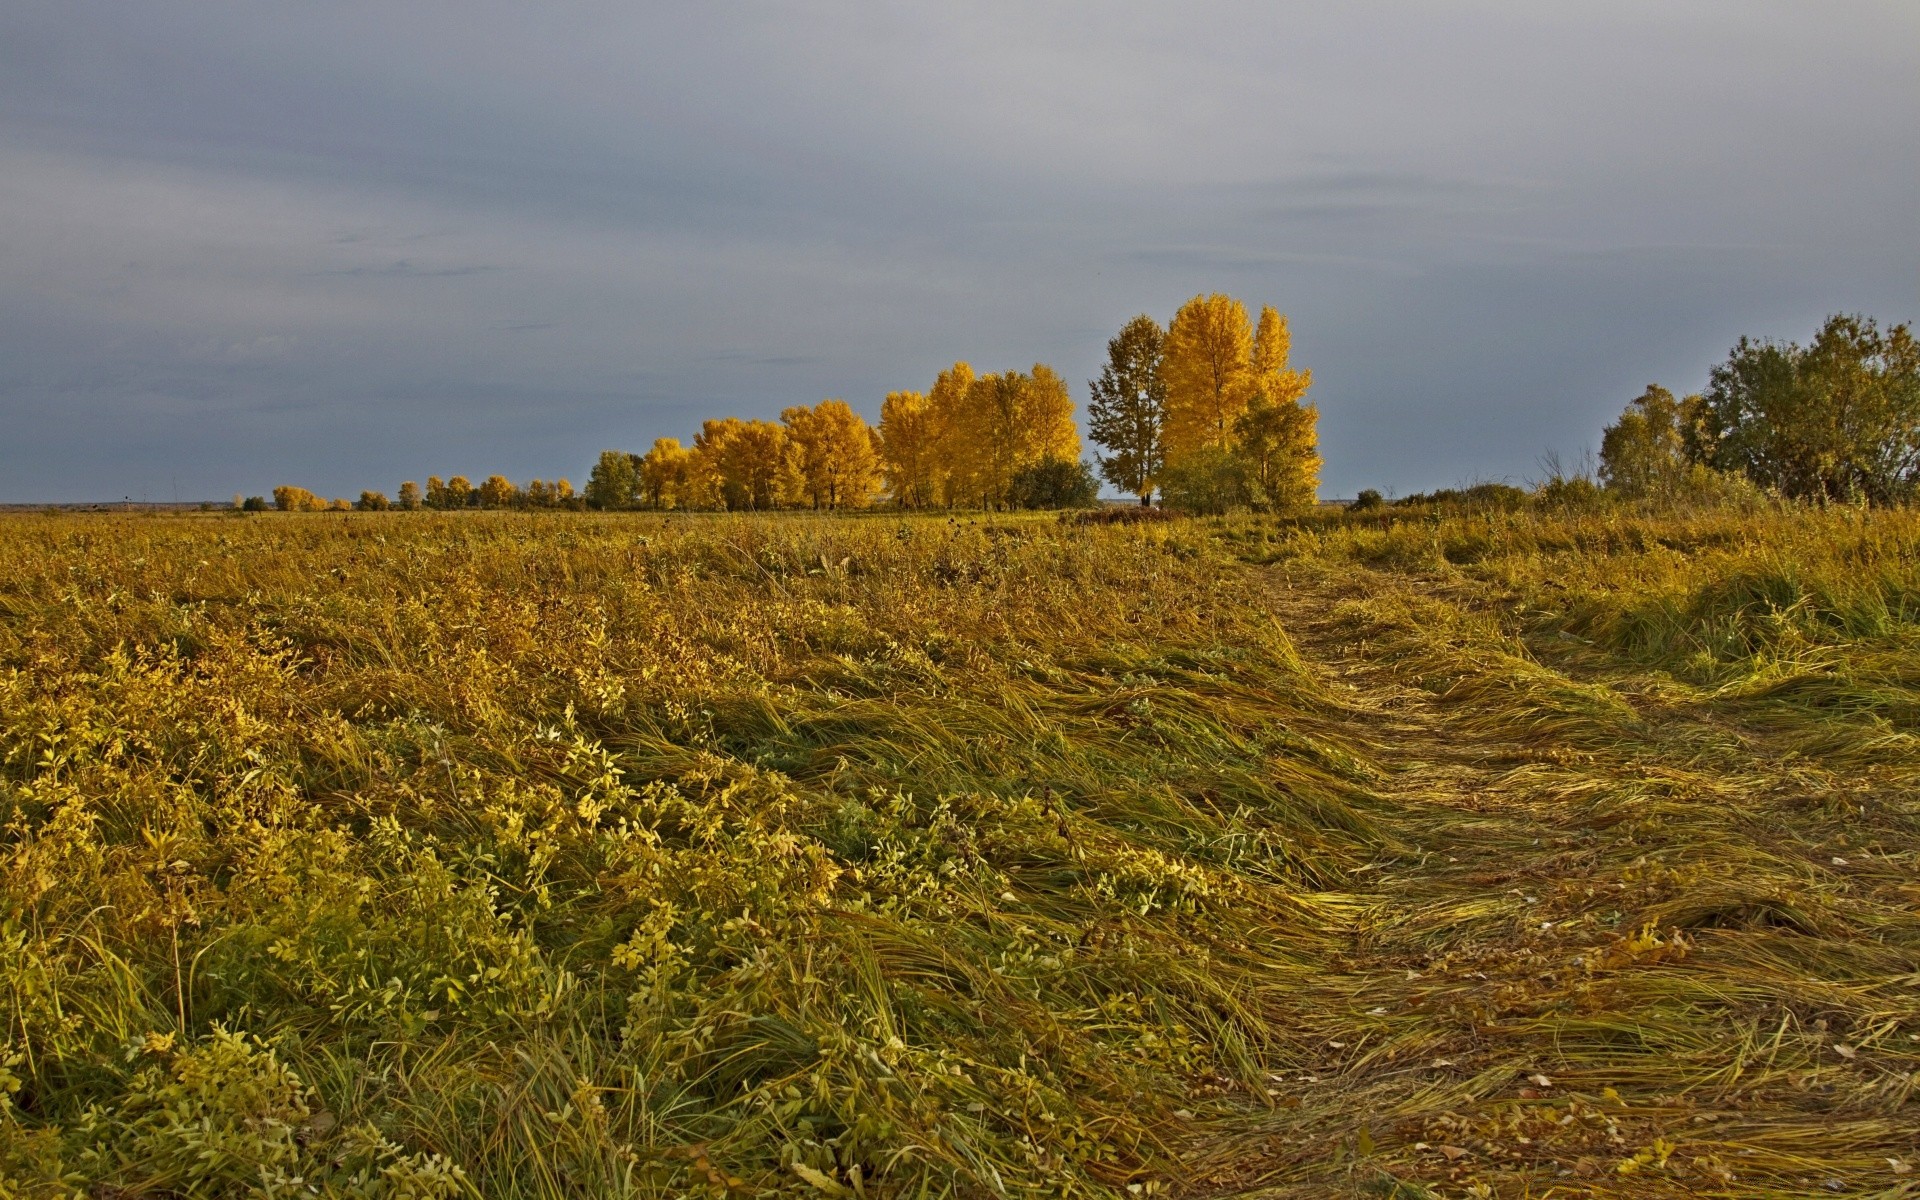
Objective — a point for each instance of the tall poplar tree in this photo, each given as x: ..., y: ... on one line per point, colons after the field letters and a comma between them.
x: 834, y: 454
x: 955, y: 470
x: 907, y: 450
x: 1208, y: 365
x: 1128, y: 407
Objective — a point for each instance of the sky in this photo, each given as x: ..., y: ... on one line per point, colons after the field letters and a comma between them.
x: 345, y: 244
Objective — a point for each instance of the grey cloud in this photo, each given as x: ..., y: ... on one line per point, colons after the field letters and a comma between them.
x: 353, y: 243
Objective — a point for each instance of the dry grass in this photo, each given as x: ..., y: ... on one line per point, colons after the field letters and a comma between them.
x: 564, y: 855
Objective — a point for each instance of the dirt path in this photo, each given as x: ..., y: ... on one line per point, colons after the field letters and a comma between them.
x: 1567, y: 983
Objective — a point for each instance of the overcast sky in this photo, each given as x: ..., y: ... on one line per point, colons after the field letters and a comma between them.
x: 345, y: 244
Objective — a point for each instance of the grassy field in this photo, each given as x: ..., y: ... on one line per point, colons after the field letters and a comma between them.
x: 570, y: 855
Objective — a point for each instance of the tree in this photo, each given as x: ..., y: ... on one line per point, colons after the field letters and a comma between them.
x: 1013, y: 420
x: 1209, y: 481
x: 436, y: 492
x: 1837, y: 420
x: 1277, y: 443
x: 743, y: 464
x: 459, y: 492
x: 1128, y: 407
x: 1054, y: 483
x: 664, y: 472
x: 372, y: 502
x: 498, y: 492
x: 954, y: 469
x: 409, y: 496
x: 834, y: 454
x: 908, y: 454
x: 1208, y: 367
x: 614, y: 481
x: 288, y: 498
x: 1644, y: 453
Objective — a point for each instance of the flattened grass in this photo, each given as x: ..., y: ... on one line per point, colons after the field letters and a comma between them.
x: 557, y: 855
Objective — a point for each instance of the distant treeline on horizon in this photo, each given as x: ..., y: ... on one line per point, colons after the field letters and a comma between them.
x: 1208, y: 413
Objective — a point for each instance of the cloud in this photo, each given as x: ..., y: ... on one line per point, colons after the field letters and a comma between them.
x: 339, y: 243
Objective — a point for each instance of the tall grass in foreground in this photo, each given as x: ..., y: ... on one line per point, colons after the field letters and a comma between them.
x: 556, y: 855
x: 572, y: 856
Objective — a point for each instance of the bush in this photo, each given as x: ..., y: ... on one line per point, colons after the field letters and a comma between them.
x: 1571, y: 493
x: 254, y: 504
x: 1481, y: 497
x: 1054, y: 483
x: 1367, y: 500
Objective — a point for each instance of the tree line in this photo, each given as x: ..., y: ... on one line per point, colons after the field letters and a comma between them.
x: 1205, y: 410
x: 1835, y: 420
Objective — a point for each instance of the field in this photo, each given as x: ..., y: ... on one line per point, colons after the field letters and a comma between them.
x: 1509, y: 854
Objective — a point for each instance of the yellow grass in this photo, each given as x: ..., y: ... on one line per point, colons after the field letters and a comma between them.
x: 570, y: 855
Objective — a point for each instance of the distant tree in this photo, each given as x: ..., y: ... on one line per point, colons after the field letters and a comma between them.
x: 708, y: 485
x: 409, y: 496
x: 288, y: 498
x: 1368, y: 499
x: 757, y: 465
x: 1837, y: 420
x: 908, y: 450
x: 835, y: 453
x: 954, y: 471
x: 373, y: 502
x: 254, y: 504
x: 340, y: 504
x: 1128, y: 407
x: 498, y: 492
x: 665, y: 472
x: 1208, y: 366
x: 459, y: 492
x: 1054, y: 483
x: 1644, y: 452
x: 563, y: 496
x: 1010, y: 421
x: 614, y: 483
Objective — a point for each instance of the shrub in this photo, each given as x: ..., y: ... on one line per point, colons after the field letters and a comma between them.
x: 1054, y: 483
x: 1367, y: 500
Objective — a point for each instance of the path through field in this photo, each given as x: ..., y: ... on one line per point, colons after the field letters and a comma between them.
x: 1629, y: 947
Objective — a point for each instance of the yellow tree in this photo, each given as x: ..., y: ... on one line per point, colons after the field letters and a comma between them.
x: 907, y: 449
x: 953, y: 467
x: 498, y: 492
x: 833, y: 454
x: 665, y: 472
x: 744, y: 464
x: 1012, y: 421
x: 1278, y: 433
x: 1208, y: 367
x: 708, y: 484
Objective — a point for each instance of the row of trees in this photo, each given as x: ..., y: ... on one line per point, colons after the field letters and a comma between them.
x: 1208, y: 410
x: 496, y: 491
x: 1838, y: 419
x: 997, y: 440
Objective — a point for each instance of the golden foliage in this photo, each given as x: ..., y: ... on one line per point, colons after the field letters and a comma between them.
x: 835, y: 454
x: 1209, y: 375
